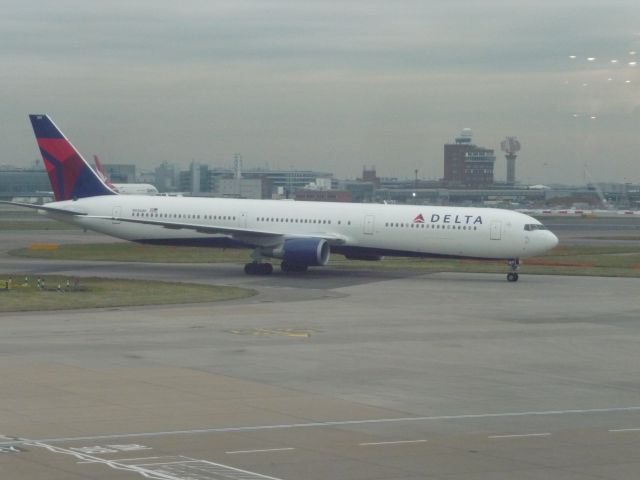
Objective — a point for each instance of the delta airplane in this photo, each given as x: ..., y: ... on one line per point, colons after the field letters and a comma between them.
x: 300, y: 234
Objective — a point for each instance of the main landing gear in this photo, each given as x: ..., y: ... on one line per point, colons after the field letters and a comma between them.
x: 512, y: 276
x: 256, y: 268
x: 260, y: 268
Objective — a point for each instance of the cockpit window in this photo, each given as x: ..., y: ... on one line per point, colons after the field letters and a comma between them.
x: 530, y: 227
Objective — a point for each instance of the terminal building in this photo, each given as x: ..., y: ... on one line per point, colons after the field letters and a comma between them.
x: 203, y: 180
x: 466, y: 164
x: 25, y: 183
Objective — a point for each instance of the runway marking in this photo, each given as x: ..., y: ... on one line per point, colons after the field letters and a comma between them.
x: 186, y: 468
x: 10, y: 449
x: 622, y: 430
x: 234, y: 452
x: 337, y: 423
x: 396, y: 442
x: 520, y: 435
x: 128, y: 459
x: 268, y: 332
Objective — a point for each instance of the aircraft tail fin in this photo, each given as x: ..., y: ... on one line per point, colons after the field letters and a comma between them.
x: 70, y: 175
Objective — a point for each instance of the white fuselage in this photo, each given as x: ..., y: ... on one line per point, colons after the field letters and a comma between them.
x: 380, y: 229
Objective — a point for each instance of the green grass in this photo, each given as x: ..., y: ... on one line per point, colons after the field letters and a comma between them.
x: 605, y: 261
x: 131, y: 252
x: 15, y: 218
x: 101, y: 292
x: 35, y: 225
x: 563, y: 260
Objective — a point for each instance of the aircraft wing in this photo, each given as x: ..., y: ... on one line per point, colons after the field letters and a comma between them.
x: 64, y: 211
x: 249, y: 235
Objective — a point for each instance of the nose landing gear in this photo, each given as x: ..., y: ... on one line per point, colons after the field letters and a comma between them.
x: 512, y: 276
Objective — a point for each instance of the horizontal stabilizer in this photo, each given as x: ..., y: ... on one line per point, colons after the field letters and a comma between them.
x: 44, y: 208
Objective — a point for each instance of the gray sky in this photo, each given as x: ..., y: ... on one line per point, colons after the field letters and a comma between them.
x: 328, y: 85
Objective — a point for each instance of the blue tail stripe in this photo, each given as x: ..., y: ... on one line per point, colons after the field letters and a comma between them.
x: 44, y: 128
x: 70, y: 175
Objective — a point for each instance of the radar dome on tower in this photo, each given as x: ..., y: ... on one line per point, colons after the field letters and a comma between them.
x: 465, y: 136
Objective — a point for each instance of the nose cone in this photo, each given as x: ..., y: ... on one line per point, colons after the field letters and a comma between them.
x: 552, y: 240
x: 540, y: 242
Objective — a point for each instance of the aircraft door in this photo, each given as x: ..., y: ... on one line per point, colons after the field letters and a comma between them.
x: 242, y: 220
x: 496, y: 230
x: 115, y: 214
x: 369, y: 224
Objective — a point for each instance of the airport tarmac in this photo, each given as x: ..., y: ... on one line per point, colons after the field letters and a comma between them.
x: 330, y: 375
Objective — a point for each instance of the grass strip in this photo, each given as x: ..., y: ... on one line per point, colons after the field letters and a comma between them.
x: 66, y: 293
x: 563, y: 260
x: 132, y: 252
x: 35, y: 225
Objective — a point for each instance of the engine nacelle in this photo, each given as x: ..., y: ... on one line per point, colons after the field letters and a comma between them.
x: 309, y: 252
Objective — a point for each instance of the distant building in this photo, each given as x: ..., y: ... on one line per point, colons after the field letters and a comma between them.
x: 195, y: 180
x: 307, y: 195
x: 240, y: 188
x: 166, y: 179
x: 369, y: 175
x: 207, y: 181
x: 361, y: 192
x: 120, y: 172
x: 286, y: 181
x: 19, y: 182
x: 466, y: 164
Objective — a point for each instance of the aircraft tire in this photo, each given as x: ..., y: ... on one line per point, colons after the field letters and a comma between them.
x: 512, y: 277
x: 254, y: 268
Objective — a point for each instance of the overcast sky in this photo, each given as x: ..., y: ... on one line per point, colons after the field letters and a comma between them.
x: 328, y: 85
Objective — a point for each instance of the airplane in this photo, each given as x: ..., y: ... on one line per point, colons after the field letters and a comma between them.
x: 124, y: 188
x: 300, y: 234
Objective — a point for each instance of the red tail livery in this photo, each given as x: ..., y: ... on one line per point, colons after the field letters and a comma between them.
x: 70, y: 175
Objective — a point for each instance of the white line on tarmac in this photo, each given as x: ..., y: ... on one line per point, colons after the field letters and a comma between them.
x: 397, y: 442
x: 520, y: 435
x: 139, y: 458
x: 93, y: 459
x: 339, y: 423
x: 229, y: 472
x: 261, y: 450
x: 621, y: 430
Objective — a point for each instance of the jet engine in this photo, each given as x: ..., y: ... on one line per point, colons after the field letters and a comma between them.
x: 308, y: 252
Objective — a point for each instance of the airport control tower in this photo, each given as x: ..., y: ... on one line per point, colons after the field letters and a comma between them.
x: 510, y: 146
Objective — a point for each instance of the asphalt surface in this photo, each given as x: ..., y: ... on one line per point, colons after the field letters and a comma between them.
x: 330, y: 375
